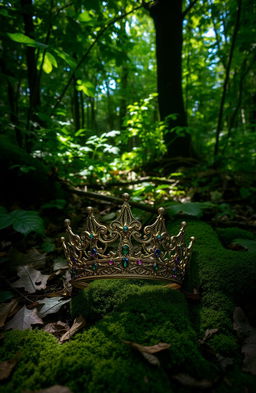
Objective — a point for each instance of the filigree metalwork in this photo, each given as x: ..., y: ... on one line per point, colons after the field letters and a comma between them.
x: 125, y: 250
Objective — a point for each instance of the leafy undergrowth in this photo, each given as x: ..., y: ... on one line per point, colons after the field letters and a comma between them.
x: 135, y: 335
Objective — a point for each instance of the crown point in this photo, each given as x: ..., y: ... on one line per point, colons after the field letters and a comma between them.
x: 89, y: 210
x: 161, y: 210
x: 126, y: 196
x: 183, y: 224
x: 62, y: 238
x: 192, y: 238
x: 67, y: 222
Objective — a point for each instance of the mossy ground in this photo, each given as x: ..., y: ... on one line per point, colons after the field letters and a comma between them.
x: 98, y: 359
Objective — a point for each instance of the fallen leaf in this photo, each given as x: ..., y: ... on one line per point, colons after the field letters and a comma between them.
x: 59, y: 264
x: 36, y: 259
x: 23, y: 319
x: 78, y: 323
x: 56, y: 328
x: 152, y: 359
x: 30, y: 279
x: 6, y: 310
x: 208, y: 334
x: 173, y: 286
x: 7, y: 367
x: 54, y: 389
x: 51, y: 305
x: 148, y: 351
x: 187, y: 380
x: 247, y: 334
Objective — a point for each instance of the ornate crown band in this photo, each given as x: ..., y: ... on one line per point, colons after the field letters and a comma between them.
x: 122, y: 250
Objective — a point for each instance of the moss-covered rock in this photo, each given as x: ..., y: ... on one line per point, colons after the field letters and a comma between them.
x: 99, y: 359
x: 227, y: 235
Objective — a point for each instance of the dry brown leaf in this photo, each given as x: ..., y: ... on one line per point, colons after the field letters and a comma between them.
x: 152, y: 359
x: 23, y: 319
x: 7, y: 367
x: 6, y: 310
x: 187, y: 380
x: 149, y: 351
x: 35, y: 258
x: 51, y: 305
x: 78, y: 323
x: 208, y: 334
x: 56, y: 328
x: 247, y: 334
x: 172, y: 286
x: 54, y: 389
x: 30, y: 279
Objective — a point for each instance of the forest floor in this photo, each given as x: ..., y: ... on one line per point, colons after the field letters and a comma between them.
x: 135, y: 335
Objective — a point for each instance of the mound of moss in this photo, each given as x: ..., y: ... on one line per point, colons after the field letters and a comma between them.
x: 120, y: 311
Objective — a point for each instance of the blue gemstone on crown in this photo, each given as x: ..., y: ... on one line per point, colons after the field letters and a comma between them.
x: 159, y: 237
x: 125, y: 228
x: 91, y: 236
x: 94, y: 252
x: 157, y: 252
x: 125, y: 262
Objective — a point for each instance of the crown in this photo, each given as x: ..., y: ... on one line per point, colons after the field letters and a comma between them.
x: 124, y: 250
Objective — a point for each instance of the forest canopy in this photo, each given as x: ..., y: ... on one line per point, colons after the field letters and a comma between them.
x: 94, y: 87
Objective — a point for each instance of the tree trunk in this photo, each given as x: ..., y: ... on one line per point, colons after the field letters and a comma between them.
x: 76, y: 106
x: 168, y: 18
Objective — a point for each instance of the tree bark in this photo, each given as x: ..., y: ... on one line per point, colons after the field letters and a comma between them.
x: 168, y: 18
x: 226, y: 81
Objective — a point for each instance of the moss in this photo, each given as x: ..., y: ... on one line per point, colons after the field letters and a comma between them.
x: 227, y: 235
x: 38, y: 352
x: 226, y: 345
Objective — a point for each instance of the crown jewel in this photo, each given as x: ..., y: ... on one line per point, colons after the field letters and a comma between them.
x: 124, y: 250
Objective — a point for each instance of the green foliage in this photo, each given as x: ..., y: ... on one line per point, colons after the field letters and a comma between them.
x: 22, y: 221
x: 144, y: 134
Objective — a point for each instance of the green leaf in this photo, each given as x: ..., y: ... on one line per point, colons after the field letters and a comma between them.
x: 5, y: 218
x: 26, y: 221
x: 49, y: 63
x: 87, y: 87
x: 24, y: 39
x: 84, y: 17
x: 65, y: 56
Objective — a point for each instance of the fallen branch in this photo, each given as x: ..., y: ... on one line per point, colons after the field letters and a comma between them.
x: 117, y: 201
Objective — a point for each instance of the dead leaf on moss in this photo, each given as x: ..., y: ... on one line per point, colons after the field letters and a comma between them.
x: 24, y: 319
x: 7, y: 367
x: 54, y: 389
x: 78, y: 323
x: 247, y: 334
x: 191, y: 382
x: 59, y: 264
x: 172, y: 286
x: 208, y: 334
x: 7, y: 310
x: 51, y: 305
x: 56, y: 328
x: 149, y: 351
x: 31, y: 279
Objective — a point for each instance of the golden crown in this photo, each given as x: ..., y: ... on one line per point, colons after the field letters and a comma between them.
x: 122, y: 250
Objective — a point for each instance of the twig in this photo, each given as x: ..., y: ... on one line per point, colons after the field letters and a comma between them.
x: 115, y: 200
